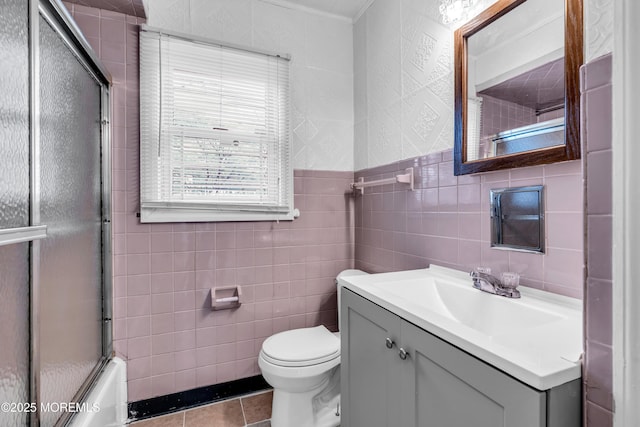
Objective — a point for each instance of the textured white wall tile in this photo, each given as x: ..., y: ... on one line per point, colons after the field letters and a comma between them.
x: 228, y: 20
x: 409, y: 82
x: 599, y: 28
x: 298, y: 87
x: 329, y: 44
x: 444, y: 139
x: 329, y: 94
x: 384, y: 75
x: 424, y: 117
x: 427, y: 79
x: 360, y: 101
x: 384, y: 84
x: 169, y: 14
x: 421, y: 7
x: 321, y: 73
x: 299, y: 125
x: 383, y: 22
x: 426, y: 51
x: 329, y: 146
x: 360, y: 96
x: 360, y: 70
x: 361, y: 138
x: 360, y: 45
x: 384, y: 135
x: 280, y: 30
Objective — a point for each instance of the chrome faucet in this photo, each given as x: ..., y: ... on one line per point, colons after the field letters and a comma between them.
x: 484, y: 281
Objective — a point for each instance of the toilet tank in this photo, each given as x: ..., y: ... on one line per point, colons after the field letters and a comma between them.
x: 340, y: 283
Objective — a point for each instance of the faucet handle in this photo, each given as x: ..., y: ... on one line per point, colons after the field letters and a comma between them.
x: 510, y: 282
x: 510, y: 279
x: 484, y: 270
x: 480, y: 271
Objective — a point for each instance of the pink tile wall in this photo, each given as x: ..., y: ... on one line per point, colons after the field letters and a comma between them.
x: 445, y: 221
x: 596, y: 108
x: 163, y: 325
x: 499, y: 115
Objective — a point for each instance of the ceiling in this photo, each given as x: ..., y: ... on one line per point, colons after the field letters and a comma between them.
x: 345, y: 8
x: 349, y: 9
x: 538, y: 88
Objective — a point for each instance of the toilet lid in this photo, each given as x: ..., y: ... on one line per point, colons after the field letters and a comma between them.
x: 301, y: 347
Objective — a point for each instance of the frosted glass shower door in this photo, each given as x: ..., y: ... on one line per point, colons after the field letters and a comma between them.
x: 14, y: 207
x: 70, y: 206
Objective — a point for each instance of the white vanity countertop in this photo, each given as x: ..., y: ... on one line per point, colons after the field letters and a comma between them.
x: 536, y: 339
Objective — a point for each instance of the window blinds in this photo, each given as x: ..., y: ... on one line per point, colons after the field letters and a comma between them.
x: 474, y: 127
x: 214, y: 123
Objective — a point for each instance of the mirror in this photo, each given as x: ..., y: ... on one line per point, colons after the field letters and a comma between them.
x: 517, y: 94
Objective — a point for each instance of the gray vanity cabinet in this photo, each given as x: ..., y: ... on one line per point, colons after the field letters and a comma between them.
x: 453, y: 388
x: 436, y: 384
x: 370, y: 373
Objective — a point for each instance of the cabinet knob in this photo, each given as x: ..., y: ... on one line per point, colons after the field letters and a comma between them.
x: 403, y: 354
x: 389, y: 343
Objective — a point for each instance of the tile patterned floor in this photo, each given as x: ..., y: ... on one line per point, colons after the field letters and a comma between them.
x: 246, y: 411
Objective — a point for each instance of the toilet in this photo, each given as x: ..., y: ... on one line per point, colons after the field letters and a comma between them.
x: 303, y: 367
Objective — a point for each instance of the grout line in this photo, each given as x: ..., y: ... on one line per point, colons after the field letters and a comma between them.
x: 184, y: 418
x: 256, y: 393
x: 244, y: 417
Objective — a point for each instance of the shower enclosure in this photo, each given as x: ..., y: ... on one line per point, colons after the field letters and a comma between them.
x: 55, y: 263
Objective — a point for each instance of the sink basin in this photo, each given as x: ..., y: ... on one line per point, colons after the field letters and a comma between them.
x: 486, y: 313
x: 536, y: 338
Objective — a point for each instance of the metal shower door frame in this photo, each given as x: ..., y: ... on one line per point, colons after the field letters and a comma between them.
x: 58, y: 17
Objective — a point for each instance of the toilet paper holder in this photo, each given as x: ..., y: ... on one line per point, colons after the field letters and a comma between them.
x: 225, y: 298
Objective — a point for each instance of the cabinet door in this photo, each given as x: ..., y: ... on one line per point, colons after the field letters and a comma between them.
x: 370, y: 377
x: 450, y: 388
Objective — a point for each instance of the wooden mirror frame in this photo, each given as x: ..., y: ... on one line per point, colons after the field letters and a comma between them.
x: 573, y: 48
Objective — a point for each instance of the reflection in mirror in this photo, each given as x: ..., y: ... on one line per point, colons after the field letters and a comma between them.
x: 515, y: 79
x: 517, y: 85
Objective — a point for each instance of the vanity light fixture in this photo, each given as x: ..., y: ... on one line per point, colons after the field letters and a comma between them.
x: 453, y: 11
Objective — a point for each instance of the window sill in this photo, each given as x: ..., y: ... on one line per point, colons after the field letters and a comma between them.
x: 158, y: 215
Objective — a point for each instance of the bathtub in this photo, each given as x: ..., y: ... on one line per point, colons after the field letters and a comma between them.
x: 109, y: 395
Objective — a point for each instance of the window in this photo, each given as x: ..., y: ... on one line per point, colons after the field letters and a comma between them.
x: 214, y: 132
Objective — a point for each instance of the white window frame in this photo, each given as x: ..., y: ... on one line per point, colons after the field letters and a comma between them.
x: 152, y: 208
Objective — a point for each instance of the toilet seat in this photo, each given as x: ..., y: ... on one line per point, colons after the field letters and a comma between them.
x: 301, y: 347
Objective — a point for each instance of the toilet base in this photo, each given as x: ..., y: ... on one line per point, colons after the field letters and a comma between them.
x: 314, y: 408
